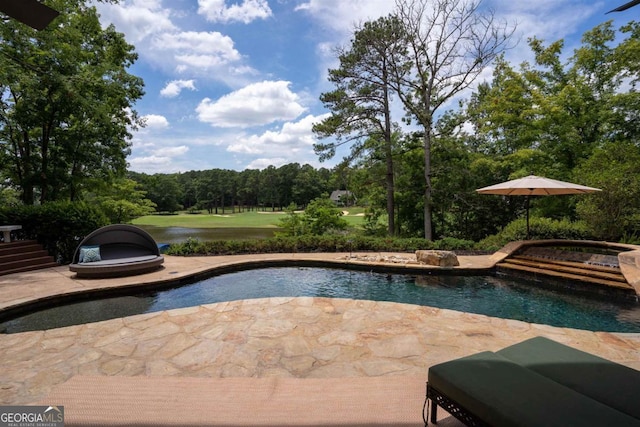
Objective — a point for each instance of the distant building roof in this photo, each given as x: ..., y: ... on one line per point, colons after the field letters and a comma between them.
x: 338, y: 195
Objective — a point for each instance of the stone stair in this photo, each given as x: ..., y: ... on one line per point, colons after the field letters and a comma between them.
x: 23, y: 255
x: 594, y: 269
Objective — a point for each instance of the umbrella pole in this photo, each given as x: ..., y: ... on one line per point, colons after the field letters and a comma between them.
x: 526, y: 203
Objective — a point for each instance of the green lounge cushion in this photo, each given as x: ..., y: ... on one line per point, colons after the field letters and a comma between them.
x: 608, y: 382
x: 505, y: 394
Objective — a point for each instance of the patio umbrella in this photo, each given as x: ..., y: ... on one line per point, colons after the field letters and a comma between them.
x: 30, y: 12
x: 535, y: 186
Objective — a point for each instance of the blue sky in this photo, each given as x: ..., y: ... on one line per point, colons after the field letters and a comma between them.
x: 235, y: 84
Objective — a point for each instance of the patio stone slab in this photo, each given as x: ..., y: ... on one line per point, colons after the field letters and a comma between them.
x: 264, y: 346
x: 272, y: 337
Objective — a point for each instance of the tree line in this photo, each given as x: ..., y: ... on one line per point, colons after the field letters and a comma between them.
x: 66, y: 110
x: 223, y: 190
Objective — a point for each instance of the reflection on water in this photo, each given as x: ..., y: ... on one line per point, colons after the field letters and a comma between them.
x: 180, y: 234
x: 79, y: 313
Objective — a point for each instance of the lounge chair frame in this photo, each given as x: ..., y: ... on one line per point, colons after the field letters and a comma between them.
x: 125, y: 250
x: 439, y: 399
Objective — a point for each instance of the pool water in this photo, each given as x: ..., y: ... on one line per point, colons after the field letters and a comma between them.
x: 503, y: 297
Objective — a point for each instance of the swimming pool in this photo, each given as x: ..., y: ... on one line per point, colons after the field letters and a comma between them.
x: 504, y: 297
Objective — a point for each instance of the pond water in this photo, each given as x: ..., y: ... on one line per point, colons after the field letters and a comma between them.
x: 180, y: 234
x: 504, y: 297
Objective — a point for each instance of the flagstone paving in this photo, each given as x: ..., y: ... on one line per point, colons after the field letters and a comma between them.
x: 287, y: 337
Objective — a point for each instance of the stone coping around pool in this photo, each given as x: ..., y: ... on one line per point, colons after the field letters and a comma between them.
x: 630, y: 268
x: 28, y: 290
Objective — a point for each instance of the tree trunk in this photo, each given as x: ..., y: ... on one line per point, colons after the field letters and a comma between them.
x: 390, y: 195
x: 428, y: 234
x: 44, y: 167
x: 389, y: 157
x: 25, y: 168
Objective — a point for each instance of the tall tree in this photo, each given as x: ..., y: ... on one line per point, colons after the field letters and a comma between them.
x: 570, y: 95
x: 307, y: 185
x: 269, y: 185
x: 65, y: 103
x: 361, y: 103
x: 249, y: 188
x: 565, y: 108
x: 614, y: 212
x: 504, y: 113
x: 450, y: 42
x: 122, y: 201
x: 285, y: 180
x: 164, y: 191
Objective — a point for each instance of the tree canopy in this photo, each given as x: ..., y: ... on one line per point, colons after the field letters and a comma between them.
x: 66, y: 104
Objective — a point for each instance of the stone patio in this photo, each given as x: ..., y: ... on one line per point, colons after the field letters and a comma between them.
x: 285, y: 337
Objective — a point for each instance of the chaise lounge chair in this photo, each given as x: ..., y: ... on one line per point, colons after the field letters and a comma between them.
x: 116, y: 250
x: 534, y: 383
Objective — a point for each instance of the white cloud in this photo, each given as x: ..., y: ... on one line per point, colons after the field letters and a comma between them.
x: 341, y: 16
x: 174, y: 87
x: 151, y: 156
x: 549, y: 20
x: 205, y: 54
x: 172, y: 151
x: 200, y: 50
x: 151, y: 164
x: 198, y: 42
x: 253, y: 105
x: 249, y: 10
x: 155, y: 121
x: 264, y: 163
x: 293, y: 139
x: 138, y: 19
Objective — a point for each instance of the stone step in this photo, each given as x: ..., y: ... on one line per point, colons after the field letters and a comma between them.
x: 551, y: 254
x: 29, y: 268
x: 567, y: 263
x: 563, y: 275
x: 571, y: 268
x: 19, y: 246
x: 23, y: 255
x: 37, y: 252
x: 26, y: 262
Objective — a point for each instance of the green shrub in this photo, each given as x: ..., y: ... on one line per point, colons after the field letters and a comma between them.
x: 58, y: 226
x: 309, y: 243
x: 452, y: 243
x: 631, y: 239
x: 320, y: 217
x: 539, y: 229
x: 375, y: 222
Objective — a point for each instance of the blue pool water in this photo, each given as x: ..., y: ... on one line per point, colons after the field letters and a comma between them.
x: 493, y: 296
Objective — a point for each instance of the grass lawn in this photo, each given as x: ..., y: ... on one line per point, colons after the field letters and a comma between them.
x: 253, y: 219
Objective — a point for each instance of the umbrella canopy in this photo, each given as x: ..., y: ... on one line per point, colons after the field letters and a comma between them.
x: 535, y: 186
x: 30, y: 12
